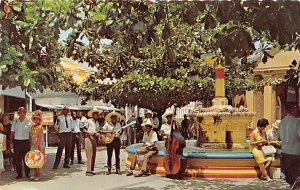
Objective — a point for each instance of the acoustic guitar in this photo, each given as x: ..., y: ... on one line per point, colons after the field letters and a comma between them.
x: 108, y: 136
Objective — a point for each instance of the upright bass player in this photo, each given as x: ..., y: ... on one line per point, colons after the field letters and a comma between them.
x: 174, y: 162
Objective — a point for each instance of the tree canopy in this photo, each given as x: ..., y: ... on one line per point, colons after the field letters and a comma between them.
x: 158, y: 50
x: 30, y: 50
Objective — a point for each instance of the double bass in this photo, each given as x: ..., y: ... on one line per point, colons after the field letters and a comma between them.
x: 174, y: 162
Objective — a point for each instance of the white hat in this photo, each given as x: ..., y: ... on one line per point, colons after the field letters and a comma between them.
x: 276, y: 124
x: 148, y: 122
x: 149, y: 112
x: 90, y: 113
x: 119, y: 116
x: 168, y: 113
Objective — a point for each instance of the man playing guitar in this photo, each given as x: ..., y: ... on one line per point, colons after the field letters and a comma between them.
x: 112, y: 127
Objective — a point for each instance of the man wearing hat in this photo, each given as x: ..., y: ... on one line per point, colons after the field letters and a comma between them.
x: 148, y: 149
x: 20, y: 135
x: 64, y: 126
x: 273, y: 135
x: 166, y: 127
x: 113, y: 126
x: 91, y: 130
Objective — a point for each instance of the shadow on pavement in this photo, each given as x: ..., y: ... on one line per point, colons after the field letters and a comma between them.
x: 221, y: 184
x: 8, y: 177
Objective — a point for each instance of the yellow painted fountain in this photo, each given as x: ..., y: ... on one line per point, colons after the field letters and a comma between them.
x: 222, y: 126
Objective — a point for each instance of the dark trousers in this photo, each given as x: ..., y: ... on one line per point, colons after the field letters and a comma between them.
x: 115, y: 144
x: 290, y: 165
x: 65, y: 141
x: 76, y: 140
x: 21, y: 147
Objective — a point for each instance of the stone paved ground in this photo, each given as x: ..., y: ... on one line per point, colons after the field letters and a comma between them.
x: 75, y: 179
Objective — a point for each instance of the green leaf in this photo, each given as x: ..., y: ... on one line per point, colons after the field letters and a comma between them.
x: 7, y: 62
x: 139, y: 26
x: 34, y: 72
x: 2, y: 14
x: 3, y: 66
x: 4, y: 70
x: 17, y: 6
x: 109, y: 5
x: 30, y: 41
x: 32, y: 84
x: 108, y: 22
x: 98, y: 17
x: 26, y: 82
x: 21, y: 23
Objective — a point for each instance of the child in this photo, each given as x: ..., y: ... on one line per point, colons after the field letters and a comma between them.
x: 2, y: 148
x: 37, y: 139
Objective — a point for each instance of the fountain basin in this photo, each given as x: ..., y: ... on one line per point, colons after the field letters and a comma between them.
x: 206, y: 163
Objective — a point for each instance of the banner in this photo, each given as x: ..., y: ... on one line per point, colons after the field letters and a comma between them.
x: 47, y: 117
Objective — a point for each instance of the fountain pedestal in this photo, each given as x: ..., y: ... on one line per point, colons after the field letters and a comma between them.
x: 216, y: 126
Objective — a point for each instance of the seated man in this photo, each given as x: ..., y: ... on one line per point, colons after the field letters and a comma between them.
x: 148, y: 149
x: 273, y: 135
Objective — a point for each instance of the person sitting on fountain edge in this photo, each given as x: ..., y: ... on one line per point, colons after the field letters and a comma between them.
x: 148, y: 149
x: 258, y: 138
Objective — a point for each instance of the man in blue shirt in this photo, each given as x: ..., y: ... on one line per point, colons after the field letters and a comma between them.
x: 289, y: 133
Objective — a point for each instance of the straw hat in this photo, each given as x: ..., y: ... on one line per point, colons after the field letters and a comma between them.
x: 94, y: 110
x: 113, y: 113
x: 148, y: 122
x: 168, y: 113
x: 276, y: 124
x: 37, y: 114
x: 149, y: 112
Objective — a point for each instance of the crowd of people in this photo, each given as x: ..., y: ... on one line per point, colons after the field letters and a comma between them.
x: 20, y: 135
x: 77, y: 129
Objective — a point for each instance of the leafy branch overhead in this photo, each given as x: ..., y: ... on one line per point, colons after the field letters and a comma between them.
x: 156, y: 51
x: 30, y: 51
x: 168, y: 41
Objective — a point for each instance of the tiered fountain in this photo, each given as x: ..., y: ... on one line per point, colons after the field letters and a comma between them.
x: 222, y: 126
x: 221, y: 149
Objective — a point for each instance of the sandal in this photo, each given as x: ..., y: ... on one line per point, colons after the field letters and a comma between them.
x: 265, y: 178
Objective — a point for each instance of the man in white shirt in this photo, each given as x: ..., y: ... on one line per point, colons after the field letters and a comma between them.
x: 91, y: 130
x: 83, y: 119
x: 165, y: 130
x: 113, y: 126
x: 20, y: 136
x: 76, y: 138
x: 273, y: 135
x: 64, y: 125
x: 148, y: 150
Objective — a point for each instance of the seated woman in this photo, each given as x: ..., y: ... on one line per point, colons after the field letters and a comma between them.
x: 257, y: 140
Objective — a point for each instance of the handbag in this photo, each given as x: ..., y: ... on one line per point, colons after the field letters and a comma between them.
x: 268, y: 150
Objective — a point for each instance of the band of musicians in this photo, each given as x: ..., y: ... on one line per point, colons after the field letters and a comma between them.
x: 75, y: 130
